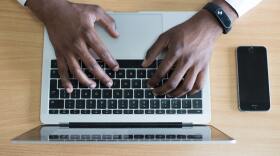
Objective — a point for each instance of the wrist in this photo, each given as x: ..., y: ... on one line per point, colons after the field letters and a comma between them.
x: 45, y: 9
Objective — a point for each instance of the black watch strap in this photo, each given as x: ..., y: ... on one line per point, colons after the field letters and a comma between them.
x: 220, y: 15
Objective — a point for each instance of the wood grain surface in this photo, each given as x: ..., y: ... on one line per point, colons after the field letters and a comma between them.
x: 257, y: 134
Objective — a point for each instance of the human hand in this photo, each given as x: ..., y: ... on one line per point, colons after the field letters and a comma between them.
x: 71, y: 30
x: 189, y: 46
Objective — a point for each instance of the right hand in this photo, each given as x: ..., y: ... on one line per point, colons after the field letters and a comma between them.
x: 71, y: 30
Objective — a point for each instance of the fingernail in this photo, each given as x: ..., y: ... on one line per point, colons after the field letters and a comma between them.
x: 92, y: 86
x: 144, y: 62
x: 168, y: 95
x: 155, y: 94
x: 68, y: 90
x: 109, y: 84
x: 116, y: 68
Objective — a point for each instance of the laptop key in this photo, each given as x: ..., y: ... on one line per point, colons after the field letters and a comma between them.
x: 160, y: 111
x: 181, y: 111
x: 74, y: 83
x: 165, y: 103
x: 54, y: 73
x: 125, y: 83
x: 85, y: 111
x: 70, y: 104
x: 139, y: 111
x: 193, y: 111
x: 117, y: 93
x: 138, y: 93
x: 130, y: 73
x: 150, y: 72
x: 53, y: 64
x: 120, y: 73
x: 91, y: 104
x: 96, y: 93
x: 145, y: 83
x: 74, y: 111
x: 154, y: 104
x: 106, y: 111
x: 116, y: 83
x: 130, y: 63
x: 141, y: 73
x: 149, y: 111
x: 63, y: 94
x: 149, y: 93
x: 128, y: 111
x: 76, y: 93
x: 170, y: 111
x: 144, y: 104
x: 128, y: 93
x: 122, y: 104
x: 112, y: 104
x: 117, y: 111
x: 106, y: 93
x: 175, y: 103
x: 80, y: 104
x: 133, y: 104
x: 197, y: 103
x: 110, y: 73
x: 96, y: 112
x: 54, y: 93
x: 53, y: 84
x: 186, y: 103
x: 56, y: 104
x: 53, y: 111
x: 64, y: 111
x: 86, y: 93
x: 136, y: 83
x: 101, y: 104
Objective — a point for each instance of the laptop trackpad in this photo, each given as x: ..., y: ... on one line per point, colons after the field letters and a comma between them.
x: 137, y: 34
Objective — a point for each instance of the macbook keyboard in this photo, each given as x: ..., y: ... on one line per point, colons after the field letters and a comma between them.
x: 128, y: 95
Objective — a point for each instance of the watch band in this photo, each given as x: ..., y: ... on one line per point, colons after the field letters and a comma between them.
x: 22, y: 2
x: 220, y: 15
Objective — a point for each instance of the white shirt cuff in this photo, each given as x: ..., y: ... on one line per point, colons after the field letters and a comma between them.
x: 22, y: 2
x: 243, y: 6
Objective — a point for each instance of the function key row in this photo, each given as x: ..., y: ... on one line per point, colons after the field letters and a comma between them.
x: 122, y: 64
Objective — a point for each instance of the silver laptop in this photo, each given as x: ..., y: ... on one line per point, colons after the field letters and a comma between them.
x: 128, y: 112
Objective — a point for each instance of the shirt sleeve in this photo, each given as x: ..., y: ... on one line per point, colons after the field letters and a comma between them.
x: 22, y: 2
x: 243, y: 6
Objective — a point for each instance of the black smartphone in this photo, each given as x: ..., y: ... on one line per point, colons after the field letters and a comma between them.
x: 253, y: 81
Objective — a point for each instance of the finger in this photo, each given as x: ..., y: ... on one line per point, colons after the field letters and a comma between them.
x: 109, y: 24
x: 174, y: 80
x: 200, y: 80
x: 78, y: 73
x: 164, y: 67
x: 64, y: 75
x: 187, y: 84
x: 159, y: 45
x: 100, y: 49
x: 92, y: 65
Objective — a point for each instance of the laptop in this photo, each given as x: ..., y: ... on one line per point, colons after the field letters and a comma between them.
x: 128, y: 112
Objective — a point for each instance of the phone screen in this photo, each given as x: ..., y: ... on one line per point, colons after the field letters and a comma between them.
x: 253, y: 85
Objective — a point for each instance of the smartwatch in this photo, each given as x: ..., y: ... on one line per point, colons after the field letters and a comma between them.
x: 22, y: 2
x: 220, y: 15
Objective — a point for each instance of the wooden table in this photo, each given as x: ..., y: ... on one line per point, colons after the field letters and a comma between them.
x: 21, y: 42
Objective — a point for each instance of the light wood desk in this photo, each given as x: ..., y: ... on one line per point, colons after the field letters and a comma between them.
x: 21, y: 41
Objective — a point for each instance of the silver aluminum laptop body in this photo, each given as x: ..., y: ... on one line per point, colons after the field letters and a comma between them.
x: 138, y: 32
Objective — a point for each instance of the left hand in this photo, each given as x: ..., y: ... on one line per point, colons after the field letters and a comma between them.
x: 189, y: 46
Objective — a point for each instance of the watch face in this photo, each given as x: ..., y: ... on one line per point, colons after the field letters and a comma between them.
x: 223, y: 18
